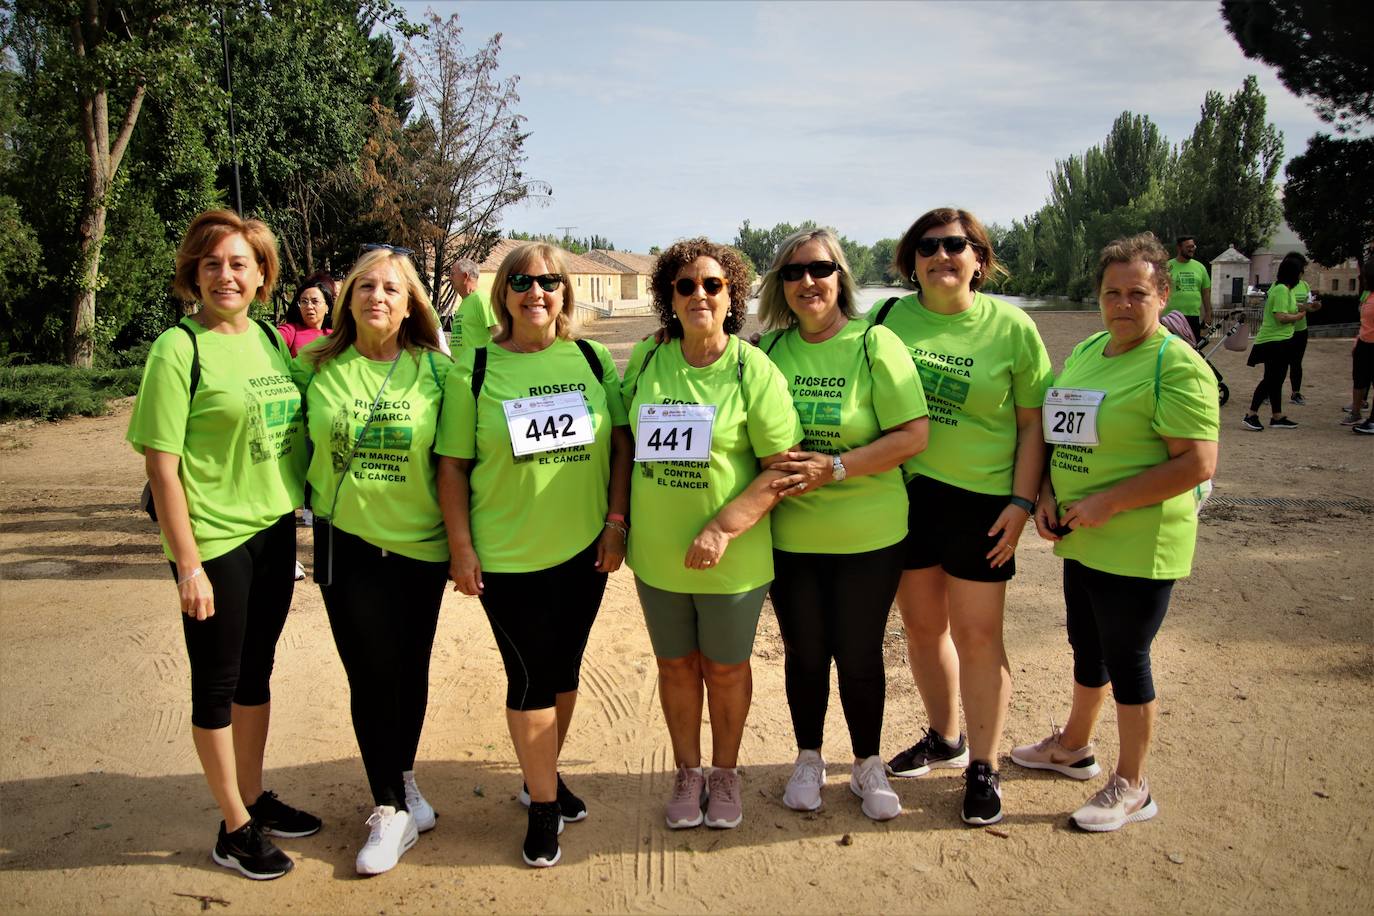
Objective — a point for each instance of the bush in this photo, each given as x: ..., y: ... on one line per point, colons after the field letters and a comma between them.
x: 1336, y: 310
x: 55, y: 392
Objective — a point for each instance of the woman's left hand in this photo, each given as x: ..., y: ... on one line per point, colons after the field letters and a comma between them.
x: 1089, y: 512
x: 1009, y: 525
x: 805, y: 471
x: 707, y: 548
x: 610, y: 549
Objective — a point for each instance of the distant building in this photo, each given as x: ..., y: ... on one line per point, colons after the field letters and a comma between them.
x: 634, y: 270
x: 1343, y: 279
x: 1230, y: 278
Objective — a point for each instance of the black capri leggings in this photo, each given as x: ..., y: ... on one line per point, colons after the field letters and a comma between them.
x: 1274, y: 355
x: 383, y: 610
x: 231, y: 652
x: 1297, y: 348
x: 541, y: 621
x: 1112, y: 620
x: 836, y: 606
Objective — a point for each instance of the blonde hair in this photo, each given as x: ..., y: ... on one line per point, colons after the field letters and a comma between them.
x: 773, y: 310
x: 519, y: 257
x: 206, y: 231
x: 419, y: 329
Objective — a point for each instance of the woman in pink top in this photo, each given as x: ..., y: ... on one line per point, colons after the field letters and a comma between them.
x: 1362, y: 356
x: 308, y: 316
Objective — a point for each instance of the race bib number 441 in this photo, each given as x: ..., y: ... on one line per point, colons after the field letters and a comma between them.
x: 544, y: 424
x: 674, y: 432
x: 1070, y: 415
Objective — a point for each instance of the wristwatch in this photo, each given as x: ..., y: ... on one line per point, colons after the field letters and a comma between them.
x: 837, y: 471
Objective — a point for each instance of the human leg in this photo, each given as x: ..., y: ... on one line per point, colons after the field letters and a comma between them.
x: 860, y: 593
x: 799, y: 604
x: 975, y: 614
x: 923, y: 603
x: 1297, y: 349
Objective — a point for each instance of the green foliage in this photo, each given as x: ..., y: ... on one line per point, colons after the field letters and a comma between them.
x: 1336, y: 309
x: 53, y: 392
x: 1329, y: 198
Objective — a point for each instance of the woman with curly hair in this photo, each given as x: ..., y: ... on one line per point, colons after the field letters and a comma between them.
x: 709, y: 415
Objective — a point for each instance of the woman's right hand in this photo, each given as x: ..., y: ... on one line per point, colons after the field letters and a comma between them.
x: 465, y: 571
x: 197, y: 595
x: 1047, y: 519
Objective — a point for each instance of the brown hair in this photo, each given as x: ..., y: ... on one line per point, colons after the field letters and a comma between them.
x: 773, y: 310
x: 206, y: 231
x: 1143, y: 247
x: 904, y: 258
x: 419, y: 329
x: 681, y: 253
x: 519, y: 258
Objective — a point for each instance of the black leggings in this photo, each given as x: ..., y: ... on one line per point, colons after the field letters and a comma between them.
x: 541, y: 621
x: 231, y: 652
x: 383, y: 609
x: 1112, y: 620
x: 836, y: 606
x: 1297, y: 347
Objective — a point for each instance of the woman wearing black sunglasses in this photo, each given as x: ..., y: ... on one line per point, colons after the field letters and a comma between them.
x: 837, y: 537
x: 984, y: 370
x: 708, y: 414
x: 534, y: 478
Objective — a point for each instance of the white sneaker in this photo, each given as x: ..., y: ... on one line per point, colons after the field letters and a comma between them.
x: 803, y: 791
x: 868, y: 780
x: 420, y: 810
x: 300, y: 572
x: 1116, y: 805
x: 393, y: 832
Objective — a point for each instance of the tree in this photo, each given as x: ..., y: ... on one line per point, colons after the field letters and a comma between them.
x: 1321, y: 51
x: 1329, y: 198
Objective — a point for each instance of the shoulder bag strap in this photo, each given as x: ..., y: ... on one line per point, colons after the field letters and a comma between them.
x: 883, y: 312
x: 479, y: 370
x: 195, y: 361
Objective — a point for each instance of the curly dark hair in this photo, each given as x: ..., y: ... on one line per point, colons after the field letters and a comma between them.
x: 677, y: 256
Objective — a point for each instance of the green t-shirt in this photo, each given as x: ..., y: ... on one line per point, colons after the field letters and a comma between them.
x: 1152, y: 542
x: 1187, y: 280
x: 977, y: 367
x: 1279, y: 299
x: 472, y: 328
x: 846, y: 391
x: 389, y: 498
x: 1300, y: 293
x: 241, y: 442
x: 534, y: 511
x: 671, y: 501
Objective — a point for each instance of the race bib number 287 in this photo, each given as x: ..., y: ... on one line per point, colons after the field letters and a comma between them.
x: 1070, y: 415
x: 674, y: 432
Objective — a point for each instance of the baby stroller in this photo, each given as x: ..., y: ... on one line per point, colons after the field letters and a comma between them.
x: 1228, y: 327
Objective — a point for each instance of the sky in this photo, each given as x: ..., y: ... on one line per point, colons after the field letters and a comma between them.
x: 654, y: 121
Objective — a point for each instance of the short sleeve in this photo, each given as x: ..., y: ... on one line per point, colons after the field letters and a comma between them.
x: 772, y: 420
x: 163, y: 404
x: 1031, y: 372
x: 1188, y: 406
x: 457, y: 433
x: 897, y: 393
x: 610, y: 383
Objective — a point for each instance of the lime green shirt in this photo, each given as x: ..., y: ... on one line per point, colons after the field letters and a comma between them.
x: 1187, y: 280
x: 1279, y: 299
x: 670, y: 502
x: 390, y: 496
x: 1152, y: 542
x: 847, y: 390
x: 1300, y: 293
x: 534, y: 511
x: 977, y: 367
x: 241, y: 443
x: 475, y: 320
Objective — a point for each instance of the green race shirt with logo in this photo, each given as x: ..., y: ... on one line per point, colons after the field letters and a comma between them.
x: 847, y: 390
x: 241, y: 443
x: 1187, y: 280
x: 1279, y: 299
x: 475, y: 319
x: 976, y: 367
x: 389, y: 495
x: 1152, y: 542
x: 672, y: 501
x: 534, y: 511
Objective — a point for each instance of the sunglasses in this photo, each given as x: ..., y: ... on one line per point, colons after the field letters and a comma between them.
x: 521, y: 283
x: 380, y: 246
x: 686, y: 286
x: 953, y: 244
x: 818, y: 270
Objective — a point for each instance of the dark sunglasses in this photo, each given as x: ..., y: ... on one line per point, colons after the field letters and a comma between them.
x: 818, y: 270
x: 521, y: 283
x: 686, y: 286
x: 380, y: 246
x: 954, y: 244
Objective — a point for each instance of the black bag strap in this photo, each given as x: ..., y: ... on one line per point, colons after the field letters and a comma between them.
x: 643, y: 367
x: 195, y: 361
x: 883, y: 312
x: 593, y: 361
x: 773, y: 343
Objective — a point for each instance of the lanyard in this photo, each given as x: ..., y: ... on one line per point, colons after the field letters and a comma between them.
x: 372, y: 412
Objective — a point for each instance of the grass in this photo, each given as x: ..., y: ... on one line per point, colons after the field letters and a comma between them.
x: 55, y: 392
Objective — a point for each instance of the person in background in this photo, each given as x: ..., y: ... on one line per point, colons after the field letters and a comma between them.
x: 1191, y: 289
x: 1301, y: 293
x: 1362, y: 356
x: 474, y: 321
x: 1273, y: 344
x: 1132, y: 423
x: 308, y: 317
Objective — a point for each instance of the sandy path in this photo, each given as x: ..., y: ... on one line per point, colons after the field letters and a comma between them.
x: 1260, y: 764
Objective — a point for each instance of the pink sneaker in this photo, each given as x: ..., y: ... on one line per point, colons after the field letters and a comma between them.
x: 689, y: 794
x: 1115, y: 806
x: 723, y: 806
x: 1049, y: 754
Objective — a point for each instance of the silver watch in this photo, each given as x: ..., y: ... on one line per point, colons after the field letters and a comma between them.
x: 837, y: 471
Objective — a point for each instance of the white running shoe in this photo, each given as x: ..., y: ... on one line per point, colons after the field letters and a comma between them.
x: 1116, y: 805
x: 868, y: 780
x: 803, y: 791
x: 393, y: 832
x: 420, y: 809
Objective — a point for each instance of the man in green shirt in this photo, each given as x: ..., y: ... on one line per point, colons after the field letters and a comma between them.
x: 1190, y: 286
x: 473, y: 320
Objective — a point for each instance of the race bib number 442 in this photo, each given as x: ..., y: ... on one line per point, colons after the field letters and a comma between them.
x: 674, y: 432
x: 1070, y: 415
x: 544, y: 424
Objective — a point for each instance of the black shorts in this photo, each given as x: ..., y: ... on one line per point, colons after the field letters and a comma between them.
x: 947, y: 526
x: 1362, y: 360
x: 1271, y: 351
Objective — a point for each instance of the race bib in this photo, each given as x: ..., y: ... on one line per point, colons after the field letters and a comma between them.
x: 1070, y: 415
x: 674, y: 432
x: 546, y: 423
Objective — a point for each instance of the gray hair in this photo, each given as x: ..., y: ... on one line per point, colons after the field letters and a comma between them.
x: 467, y: 267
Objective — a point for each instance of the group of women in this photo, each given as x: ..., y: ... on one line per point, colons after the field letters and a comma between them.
x: 839, y: 464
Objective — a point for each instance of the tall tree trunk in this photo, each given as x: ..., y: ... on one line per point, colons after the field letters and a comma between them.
x: 81, y: 326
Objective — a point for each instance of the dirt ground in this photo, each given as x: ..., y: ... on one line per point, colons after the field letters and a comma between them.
x: 1260, y: 763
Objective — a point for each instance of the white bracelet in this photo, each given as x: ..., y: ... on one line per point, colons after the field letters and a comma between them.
x: 193, y: 573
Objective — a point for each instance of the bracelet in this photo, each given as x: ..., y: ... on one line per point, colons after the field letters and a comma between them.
x: 1021, y: 502
x: 191, y: 575
x: 614, y: 517
x: 616, y: 526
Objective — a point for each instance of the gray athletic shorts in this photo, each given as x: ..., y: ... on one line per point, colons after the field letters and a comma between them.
x: 721, y: 626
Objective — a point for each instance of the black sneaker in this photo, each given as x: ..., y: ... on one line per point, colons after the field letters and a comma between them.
x: 250, y: 853
x: 573, y: 808
x: 982, y: 795
x: 276, y: 818
x: 1253, y: 424
x: 1366, y: 428
x: 932, y: 752
x: 541, y: 838
x: 1282, y: 423
x: 1298, y: 399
